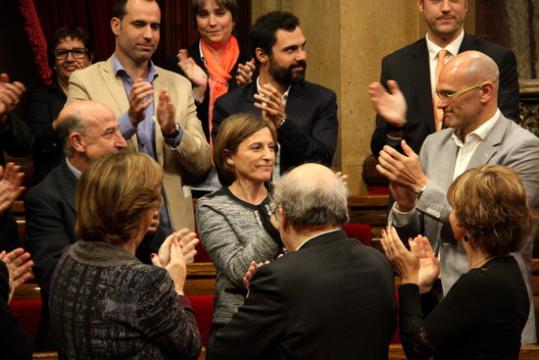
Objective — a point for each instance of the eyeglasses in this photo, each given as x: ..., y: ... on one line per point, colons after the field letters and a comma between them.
x: 77, y: 53
x: 445, y: 95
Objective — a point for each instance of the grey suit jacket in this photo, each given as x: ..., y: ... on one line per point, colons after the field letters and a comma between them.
x: 191, y: 157
x: 506, y: 144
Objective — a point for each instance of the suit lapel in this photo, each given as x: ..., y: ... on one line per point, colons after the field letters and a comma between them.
x: 489, y: 146
x: 114, y: 85
x: 420, y: 68
x: 468, y: 43
x: 447, y: 159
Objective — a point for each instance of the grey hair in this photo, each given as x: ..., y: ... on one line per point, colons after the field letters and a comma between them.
x: 70, y: 123
x: 312, y: 202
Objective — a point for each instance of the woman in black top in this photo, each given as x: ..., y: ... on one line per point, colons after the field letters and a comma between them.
x: 483, y: 314
x: 70, y: 49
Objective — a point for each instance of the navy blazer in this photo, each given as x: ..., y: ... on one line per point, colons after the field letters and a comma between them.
x: 310, y: 132
x: 409, y: 67
x: 331, y: 299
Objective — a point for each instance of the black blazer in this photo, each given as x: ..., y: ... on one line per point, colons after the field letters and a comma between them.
x: 50, y: 221
x: 43, y: 108
x: 171, y: 63
x: 409, y: 66
x: 332, y: 299
x: 310, y: 132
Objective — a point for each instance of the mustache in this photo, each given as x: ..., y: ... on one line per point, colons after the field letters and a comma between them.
x: 301, y: 63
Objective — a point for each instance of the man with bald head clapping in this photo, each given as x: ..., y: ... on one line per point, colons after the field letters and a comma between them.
x: 477, y: 134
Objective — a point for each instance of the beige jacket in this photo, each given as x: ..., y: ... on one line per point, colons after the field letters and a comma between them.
x: 98, y: 83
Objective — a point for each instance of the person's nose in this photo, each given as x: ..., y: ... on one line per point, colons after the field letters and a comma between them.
x: 301, y: 55
x: 445, y: 6
x: 120, y: 141
x: 212, y: 21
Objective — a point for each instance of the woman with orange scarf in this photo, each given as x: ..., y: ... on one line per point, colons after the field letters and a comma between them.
x: 214, y: 63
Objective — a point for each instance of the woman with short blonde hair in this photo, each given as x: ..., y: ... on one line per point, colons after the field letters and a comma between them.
x: 106, y: 304
x: 483, y: 314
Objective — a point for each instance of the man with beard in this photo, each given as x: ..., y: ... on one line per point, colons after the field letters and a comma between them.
x: 304, y: 114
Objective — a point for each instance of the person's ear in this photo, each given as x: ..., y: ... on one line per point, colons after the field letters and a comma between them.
x: 77, y: 142
x: 115, y: 25
x: 261, y: 56
x: 420, y: 5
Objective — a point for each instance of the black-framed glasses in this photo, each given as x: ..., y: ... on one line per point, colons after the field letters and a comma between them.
x: 445, y: 95
x: 76, y: 53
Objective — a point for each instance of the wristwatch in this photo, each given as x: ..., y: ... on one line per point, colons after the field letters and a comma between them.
x: 174, y: 134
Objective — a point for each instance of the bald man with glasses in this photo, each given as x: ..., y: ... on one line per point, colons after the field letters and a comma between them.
x: 476, y: 133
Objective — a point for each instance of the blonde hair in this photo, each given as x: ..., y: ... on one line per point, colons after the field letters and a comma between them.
x: 113, y: 193
x: 490, y: 203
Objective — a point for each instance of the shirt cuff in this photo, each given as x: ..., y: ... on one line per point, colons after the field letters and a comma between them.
x: 126, y: 127
x: 401, y: 218
x: 173, y: 143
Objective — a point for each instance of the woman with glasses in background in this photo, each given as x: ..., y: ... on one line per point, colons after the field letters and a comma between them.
x: 70, y: 49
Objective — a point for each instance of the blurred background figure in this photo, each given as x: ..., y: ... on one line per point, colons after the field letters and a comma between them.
x: 214, y: 64
x: 483, y: 314
x: 234, y: 222
x: 136, y: 311
x: 69, y: 49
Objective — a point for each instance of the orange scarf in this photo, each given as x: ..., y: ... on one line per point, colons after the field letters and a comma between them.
x: 219, y: 71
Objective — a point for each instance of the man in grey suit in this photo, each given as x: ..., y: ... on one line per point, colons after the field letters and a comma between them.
x: 477, y: 134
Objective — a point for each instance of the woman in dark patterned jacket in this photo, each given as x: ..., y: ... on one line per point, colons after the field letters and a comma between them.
x: 106, y: 304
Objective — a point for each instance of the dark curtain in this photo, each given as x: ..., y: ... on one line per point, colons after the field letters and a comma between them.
x: 177, y: 27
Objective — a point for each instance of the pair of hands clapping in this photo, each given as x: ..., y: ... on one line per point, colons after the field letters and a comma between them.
x: 177, y: 250
x: 419, y: 265
x: 19, y: 266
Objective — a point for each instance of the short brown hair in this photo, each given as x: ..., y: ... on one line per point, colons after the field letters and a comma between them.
x: 113, y: 193
x: 232, y: 132
x: 490, y: 203
x: 230, y: 5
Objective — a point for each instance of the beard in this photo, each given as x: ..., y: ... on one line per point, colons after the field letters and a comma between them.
x: 286, y: 75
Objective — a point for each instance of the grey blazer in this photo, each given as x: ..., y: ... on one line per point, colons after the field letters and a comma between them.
x: 506, y: 144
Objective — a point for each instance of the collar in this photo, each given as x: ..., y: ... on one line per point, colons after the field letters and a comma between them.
x: 73, y: 169
x: 317, y: 235
x: 453, y: 47
x: 100, y: 253
x: 119, y: 70
x: 480, y: 133
x: 284, y: 96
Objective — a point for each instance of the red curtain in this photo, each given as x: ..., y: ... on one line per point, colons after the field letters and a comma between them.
x: 177, y: 28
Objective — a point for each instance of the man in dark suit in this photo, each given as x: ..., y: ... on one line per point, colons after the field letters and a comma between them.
x: 329, y: 297
x: 89, y: 130
x: 16, y: 140
x: 305, y: 114
x: 414, y: 69
x: 477, y: 134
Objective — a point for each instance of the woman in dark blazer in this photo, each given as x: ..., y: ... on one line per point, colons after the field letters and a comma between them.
x: 106, y: 304
x: 483, y: 314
